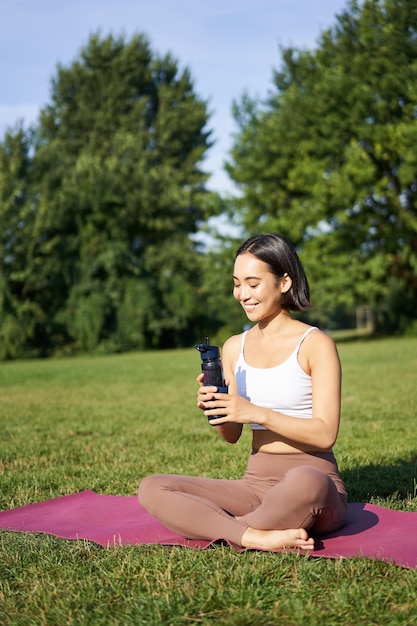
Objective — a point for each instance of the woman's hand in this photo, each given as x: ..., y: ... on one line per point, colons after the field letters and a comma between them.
x: 207, y: 401
x: 228, y: 408
x: 205, y: 393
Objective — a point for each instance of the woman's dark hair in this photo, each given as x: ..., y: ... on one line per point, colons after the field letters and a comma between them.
x: 280, y: 256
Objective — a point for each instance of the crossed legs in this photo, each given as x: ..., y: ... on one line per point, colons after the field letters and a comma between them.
x: 254, y: 512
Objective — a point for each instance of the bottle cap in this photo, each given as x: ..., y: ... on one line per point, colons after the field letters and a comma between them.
x: 207, y: 351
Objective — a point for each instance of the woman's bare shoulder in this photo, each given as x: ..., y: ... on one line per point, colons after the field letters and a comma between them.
x: 232, y: 345
x: 319, y: 342
x: 319, y: 336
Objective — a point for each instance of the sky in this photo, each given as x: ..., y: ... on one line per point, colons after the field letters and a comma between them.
x: 230, y: 46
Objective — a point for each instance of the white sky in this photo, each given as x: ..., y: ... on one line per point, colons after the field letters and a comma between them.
x: 229, y: 46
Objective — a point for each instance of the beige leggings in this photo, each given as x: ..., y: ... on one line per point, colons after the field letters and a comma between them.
x: 278, y: 491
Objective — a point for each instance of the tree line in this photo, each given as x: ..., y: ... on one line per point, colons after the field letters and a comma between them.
x: 101, y: 199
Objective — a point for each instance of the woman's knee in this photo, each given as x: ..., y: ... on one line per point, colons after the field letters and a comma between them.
x: 310, y: 481
x: 148, y: 488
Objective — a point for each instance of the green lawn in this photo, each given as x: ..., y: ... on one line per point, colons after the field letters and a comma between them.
x: 103, y: 423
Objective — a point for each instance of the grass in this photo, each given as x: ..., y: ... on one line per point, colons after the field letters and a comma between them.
x: 103, y: 423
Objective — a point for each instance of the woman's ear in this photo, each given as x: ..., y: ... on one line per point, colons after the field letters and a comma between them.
x: 286, y: 283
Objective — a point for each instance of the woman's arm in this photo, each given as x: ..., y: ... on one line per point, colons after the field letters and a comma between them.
x: 318, y: 356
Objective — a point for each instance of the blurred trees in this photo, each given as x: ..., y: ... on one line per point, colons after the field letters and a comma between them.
x: 97, y: 205
x: 17, y: 315
x: 330, y: 161
x: 100, y: 200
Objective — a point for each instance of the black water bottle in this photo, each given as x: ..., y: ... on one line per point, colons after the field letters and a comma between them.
x: 212, y: 368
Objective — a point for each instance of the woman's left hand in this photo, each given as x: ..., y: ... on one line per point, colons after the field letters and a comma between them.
x: 230, y: 408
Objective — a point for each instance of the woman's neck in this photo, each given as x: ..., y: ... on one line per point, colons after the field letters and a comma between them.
x: 276, y: 324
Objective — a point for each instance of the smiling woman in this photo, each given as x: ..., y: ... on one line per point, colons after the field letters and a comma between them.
x: 284, y: 381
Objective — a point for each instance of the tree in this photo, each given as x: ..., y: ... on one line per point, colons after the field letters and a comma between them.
x: 18, y: 317
x: 116, y: 191
x: 329, y: 160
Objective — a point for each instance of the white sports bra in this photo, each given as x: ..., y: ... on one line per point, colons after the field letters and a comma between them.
x: 285, y: 388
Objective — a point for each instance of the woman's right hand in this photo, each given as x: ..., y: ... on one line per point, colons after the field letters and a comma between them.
x: 205, y: 393
x: 229, y: 432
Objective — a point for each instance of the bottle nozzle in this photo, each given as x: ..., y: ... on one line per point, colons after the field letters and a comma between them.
x: 207, y: 350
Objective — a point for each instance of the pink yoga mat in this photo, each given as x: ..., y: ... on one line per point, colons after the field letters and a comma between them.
x: 370, y: 531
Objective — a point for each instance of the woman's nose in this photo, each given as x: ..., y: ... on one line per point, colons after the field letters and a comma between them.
x: 244, y: 293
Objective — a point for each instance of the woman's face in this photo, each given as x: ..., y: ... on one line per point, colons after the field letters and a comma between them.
x: 256, y: 288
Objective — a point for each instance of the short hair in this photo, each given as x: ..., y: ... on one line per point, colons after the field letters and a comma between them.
x: 281, y: 257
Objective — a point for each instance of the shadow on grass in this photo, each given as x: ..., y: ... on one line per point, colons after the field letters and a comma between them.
x: 395, y: 481
x: 357, y: 521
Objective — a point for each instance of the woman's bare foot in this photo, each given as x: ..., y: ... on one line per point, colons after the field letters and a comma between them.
x: 254, y: 538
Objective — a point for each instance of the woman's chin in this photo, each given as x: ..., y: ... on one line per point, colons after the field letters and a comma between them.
x: 250, y: 311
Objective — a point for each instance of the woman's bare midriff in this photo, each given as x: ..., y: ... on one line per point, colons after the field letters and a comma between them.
x: 267, y: 441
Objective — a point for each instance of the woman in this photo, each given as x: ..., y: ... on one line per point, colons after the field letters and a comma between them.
x: 284, y: 381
